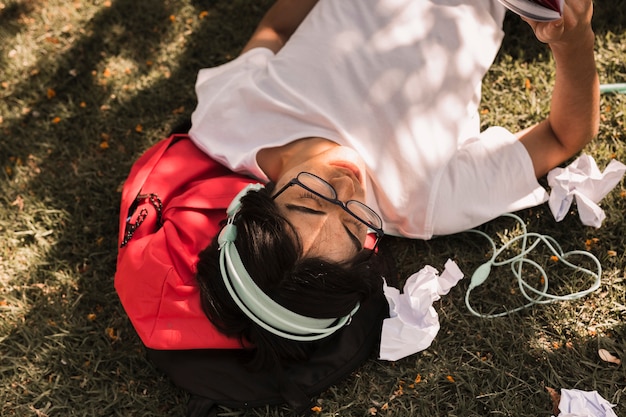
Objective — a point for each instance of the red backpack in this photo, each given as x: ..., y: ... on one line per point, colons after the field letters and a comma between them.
x: 172, y: 204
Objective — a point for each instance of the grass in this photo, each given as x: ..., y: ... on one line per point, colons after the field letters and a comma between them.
x: 87, y: 85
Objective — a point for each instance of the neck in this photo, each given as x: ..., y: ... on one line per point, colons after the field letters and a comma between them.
x: 275, y: 161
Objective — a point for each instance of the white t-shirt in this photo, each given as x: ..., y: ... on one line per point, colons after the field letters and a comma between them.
x: 399, y: 81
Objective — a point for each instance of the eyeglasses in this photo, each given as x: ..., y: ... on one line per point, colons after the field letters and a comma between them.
x: 325, y: 191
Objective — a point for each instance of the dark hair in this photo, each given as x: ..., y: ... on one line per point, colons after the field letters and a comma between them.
x: 271, y: 252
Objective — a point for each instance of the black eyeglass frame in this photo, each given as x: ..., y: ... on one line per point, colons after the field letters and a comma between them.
x: 344, y: 205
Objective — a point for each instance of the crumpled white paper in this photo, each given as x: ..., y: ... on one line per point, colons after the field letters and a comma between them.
x: 577, y: 403
x: 583, y: 180
x: 413, y: 322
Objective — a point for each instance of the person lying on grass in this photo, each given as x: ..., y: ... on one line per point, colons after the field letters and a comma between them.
x: 355, y: 116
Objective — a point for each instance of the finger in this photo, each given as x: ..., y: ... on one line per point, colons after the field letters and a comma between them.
x: 531, y: 23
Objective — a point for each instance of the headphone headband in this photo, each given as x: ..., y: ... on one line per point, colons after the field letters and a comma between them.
x: 257, y: 305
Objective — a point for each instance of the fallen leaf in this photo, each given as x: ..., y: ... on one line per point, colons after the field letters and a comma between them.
x: 112, y: 334
x: 606, y: 356
x: 19, y: 202
x: 555, y: 397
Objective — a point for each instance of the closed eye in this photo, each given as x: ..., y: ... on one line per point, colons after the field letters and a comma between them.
x: 308, y: 210
x: 358, y: 226
x: 305, y: 209
x: 355, y: 240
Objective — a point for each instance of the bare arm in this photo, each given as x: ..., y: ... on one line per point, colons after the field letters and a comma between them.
x: 279, y: 23
x: 575, y: 105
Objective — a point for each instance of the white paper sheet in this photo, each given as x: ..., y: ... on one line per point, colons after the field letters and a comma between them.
x: 583, y: 181
x: 577, y: 403
x: 413, y: 322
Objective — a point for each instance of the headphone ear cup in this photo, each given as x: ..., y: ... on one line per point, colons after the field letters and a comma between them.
x: 227, y: 234
x: 234, y: 205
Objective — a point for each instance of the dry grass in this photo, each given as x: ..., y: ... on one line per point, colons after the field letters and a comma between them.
x: 87, y: 85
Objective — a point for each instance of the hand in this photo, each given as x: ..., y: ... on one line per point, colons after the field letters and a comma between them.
x: 575, y: 103
x: 572, y: 27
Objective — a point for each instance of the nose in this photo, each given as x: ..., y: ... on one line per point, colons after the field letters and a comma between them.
x: 344, y: 187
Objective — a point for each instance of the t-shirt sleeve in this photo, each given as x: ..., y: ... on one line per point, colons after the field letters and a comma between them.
x: 221, y: 120
x: 488, y: 176
x: 255, y: 57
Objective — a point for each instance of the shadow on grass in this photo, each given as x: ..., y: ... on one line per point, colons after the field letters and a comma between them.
x: 74, y: 341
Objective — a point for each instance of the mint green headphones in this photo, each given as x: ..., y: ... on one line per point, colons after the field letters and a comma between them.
x: 257, y: 305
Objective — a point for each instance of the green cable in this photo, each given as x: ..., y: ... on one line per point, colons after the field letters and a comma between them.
x: 613, y: 88
x: 530, y: 241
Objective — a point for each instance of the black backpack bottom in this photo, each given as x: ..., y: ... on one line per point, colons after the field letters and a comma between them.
x: 221, y: 377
